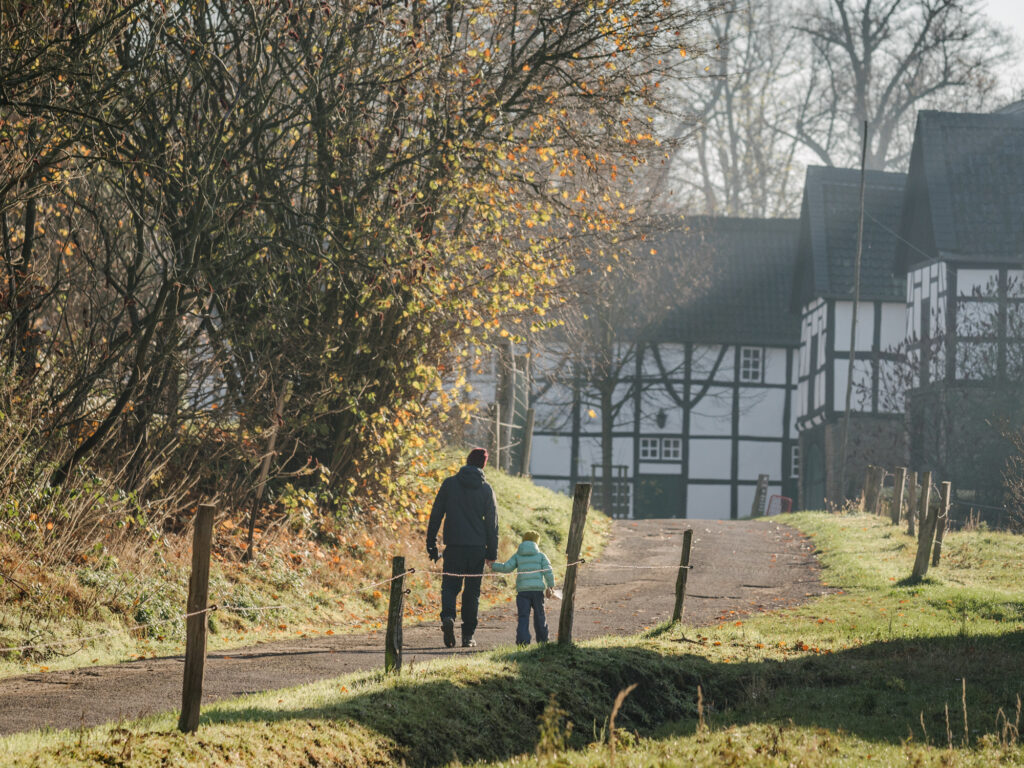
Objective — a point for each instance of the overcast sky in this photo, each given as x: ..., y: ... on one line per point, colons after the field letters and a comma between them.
x: 1011, y: 13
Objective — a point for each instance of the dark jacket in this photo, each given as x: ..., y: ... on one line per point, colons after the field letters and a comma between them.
x: 467, y: 505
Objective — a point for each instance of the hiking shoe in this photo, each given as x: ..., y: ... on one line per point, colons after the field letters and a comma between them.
x: 448, y: 629
x: 468, y: 642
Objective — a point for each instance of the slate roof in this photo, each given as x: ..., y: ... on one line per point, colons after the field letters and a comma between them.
x: 828, y: 236
x: 741, y: 292
x: 965, y: 189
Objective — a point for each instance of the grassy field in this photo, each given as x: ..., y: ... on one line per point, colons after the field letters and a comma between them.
x: 128, y: 594
x: 881, y: 672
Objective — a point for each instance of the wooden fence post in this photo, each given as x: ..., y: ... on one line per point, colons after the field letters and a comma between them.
x: 880, y: 474
x: 924, y: 498
x: 925, y: 528
x: 580, y: 505
x: 896, y: 508
x: 524, y: 470
x: 911, y: 502
x: 866, y: 493
x: 396, y: 605
x: 940, y: 530
x: 684, y: 569
x: 196, y: 624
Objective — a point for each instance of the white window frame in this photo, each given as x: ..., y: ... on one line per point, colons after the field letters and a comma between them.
x: 650, y: 449
x: 671, y: 448
x: 751, y: 365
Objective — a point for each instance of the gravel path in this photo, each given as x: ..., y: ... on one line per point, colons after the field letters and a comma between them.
x: 739, y: 566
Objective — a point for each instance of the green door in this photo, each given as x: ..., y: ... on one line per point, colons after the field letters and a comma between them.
x: 658, y: 496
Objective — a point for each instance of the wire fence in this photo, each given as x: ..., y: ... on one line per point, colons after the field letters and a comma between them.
x: 244, y: 610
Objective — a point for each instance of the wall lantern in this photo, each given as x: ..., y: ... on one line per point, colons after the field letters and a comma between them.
x: 661, y: 419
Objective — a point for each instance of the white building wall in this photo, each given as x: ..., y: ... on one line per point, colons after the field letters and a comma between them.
x: 774, y: 365
x: 814, y: 322
x: 865, y: 333
x: 927, y: 282
x: 711, y: 459
x: 551, y: 455
x: 713, y: 414
x: 761, y: 412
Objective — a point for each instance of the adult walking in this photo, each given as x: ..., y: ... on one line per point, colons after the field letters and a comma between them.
x: 466, y: 504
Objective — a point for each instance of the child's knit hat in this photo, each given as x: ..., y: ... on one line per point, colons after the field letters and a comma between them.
x: 531, y: 536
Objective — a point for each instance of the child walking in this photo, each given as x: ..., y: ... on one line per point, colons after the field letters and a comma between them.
x: 534, y: 575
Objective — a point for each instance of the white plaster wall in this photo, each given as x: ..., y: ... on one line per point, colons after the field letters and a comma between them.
x: 590, y: 454
x: 761, y: 412
x: 590, y: 411
x: 977, y: 282
x: 704, y: 359
x: 657, y: 399
x: 711, y: 459
x: 860, y: 400
x: 815, y: 321
x: 707, y: 502
x: 756, y: 458
x: 933, y: 279
x: 865, y: 325
x: 660, y: 468
x: 894, y: 325
x: 713, y: 414
x: 551, y: 455
x: 553, y: 411
x: 774, y: 365
x: 673, y: 358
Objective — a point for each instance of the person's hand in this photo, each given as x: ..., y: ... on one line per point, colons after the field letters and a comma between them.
x: 549, y: 592
x: 489, y: 563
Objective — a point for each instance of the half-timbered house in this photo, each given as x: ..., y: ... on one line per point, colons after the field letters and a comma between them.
x: 823, y: 297
x: 748, y: 374
x: 704, y: 397
x: 961, y: 250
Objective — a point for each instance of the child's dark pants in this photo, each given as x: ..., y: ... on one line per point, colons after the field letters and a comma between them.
x: 524, y: 602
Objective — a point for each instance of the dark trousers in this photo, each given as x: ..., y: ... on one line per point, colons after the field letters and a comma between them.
x: 524, y: 602
x: 462, y: 560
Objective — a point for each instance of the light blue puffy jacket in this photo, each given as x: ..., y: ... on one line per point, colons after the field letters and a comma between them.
x: 528, y: 558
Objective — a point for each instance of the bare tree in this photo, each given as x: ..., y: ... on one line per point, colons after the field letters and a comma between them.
x: 739, y: 159
x: 775, y: 94
x: 881, y: 61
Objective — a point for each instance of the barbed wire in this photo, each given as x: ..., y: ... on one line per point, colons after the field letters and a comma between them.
x: 242, y: 610
x: 581, y: 561
x: 110, y: 633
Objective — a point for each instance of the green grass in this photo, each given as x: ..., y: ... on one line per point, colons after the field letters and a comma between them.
x: 864, y: 676
x: 121, y: 595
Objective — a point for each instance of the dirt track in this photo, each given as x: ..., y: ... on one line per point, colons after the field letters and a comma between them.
x: 742, y: 566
